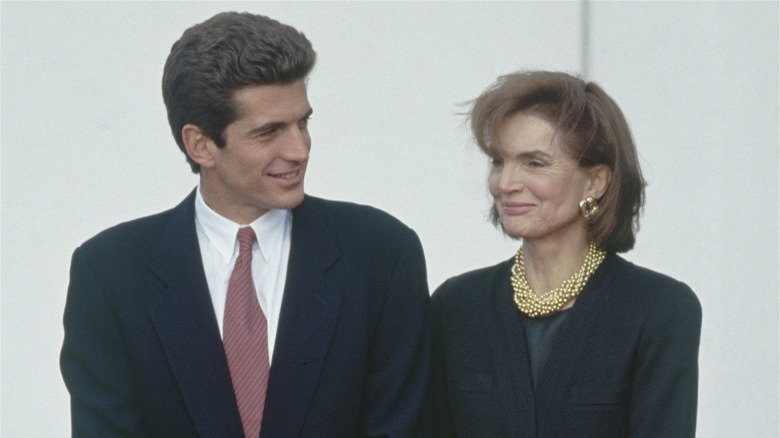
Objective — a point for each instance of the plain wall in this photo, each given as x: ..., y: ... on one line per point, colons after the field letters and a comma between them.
x: 85, y: 144
x: 699, y: 84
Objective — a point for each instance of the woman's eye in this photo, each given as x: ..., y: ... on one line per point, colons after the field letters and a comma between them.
x: 536, y: 163
x: 495, y: 162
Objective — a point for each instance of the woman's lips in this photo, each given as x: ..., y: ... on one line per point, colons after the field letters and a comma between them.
x: 515, y: 208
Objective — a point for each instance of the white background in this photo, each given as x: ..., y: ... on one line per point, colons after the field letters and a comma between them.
x: 85, y: 145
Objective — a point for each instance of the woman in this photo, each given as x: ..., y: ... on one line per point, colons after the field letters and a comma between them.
x: 566, y: 338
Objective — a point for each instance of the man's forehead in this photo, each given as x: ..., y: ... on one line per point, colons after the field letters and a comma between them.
x: 272, y: 100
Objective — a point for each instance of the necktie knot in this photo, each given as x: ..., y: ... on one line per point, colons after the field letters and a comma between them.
x: 246, y: 238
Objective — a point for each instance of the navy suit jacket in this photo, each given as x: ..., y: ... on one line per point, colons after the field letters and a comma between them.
x: 143, y: 356
x: 624, y: 362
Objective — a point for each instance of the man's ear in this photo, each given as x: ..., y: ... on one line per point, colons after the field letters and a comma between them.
x: 200, y: 148
x: 598, y: 180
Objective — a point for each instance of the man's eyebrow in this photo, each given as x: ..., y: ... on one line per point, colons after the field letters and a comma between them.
x: 275, y: 124
x: 265, y: 127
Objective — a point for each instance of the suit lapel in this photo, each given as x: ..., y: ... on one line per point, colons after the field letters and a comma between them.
x: 512, y: 358
x: 310, y: 308
x: 186, y: 325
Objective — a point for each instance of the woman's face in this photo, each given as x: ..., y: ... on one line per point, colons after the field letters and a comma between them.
x: 536, y: 186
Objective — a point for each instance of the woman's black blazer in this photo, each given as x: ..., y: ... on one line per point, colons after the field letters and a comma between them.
x: 624, y: 363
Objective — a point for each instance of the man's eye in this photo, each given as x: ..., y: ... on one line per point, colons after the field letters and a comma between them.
x: 495, y: 162
x: 266, y: 133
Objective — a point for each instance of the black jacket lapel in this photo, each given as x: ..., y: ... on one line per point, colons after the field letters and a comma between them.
x: 185, y: 322
x: 512, y: 357
x: 310, y: 308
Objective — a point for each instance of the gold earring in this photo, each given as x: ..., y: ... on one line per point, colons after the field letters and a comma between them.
x: 588, y: 207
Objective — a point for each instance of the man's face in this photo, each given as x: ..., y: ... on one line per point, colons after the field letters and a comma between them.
x: 263, y: 163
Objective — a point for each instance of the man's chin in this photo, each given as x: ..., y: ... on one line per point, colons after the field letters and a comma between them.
x: 291, y: 201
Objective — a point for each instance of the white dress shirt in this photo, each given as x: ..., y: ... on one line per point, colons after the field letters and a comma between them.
x: 217, y: 237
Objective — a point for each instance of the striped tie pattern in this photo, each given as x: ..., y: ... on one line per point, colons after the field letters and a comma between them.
x: 246, y: 338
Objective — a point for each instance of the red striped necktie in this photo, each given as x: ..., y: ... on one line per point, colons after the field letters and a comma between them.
x: 246, y: 338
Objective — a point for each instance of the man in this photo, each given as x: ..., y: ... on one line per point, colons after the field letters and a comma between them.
x: 250, y: 307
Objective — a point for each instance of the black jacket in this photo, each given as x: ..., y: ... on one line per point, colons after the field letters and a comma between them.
x: 624, y: 363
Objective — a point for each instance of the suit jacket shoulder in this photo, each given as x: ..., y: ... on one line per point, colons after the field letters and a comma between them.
x: 135, y: 239
x: 352, y: 220
x: 355, y: 232
x: 635, y: 284
x: 652, y: 289
x: 471, y: 285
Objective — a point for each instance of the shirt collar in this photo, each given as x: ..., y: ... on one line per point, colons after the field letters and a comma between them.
x: 221, y: 231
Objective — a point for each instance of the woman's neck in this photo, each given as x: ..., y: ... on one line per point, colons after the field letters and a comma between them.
x: 548, y: 262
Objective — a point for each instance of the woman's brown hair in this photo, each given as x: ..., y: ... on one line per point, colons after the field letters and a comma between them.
x: 594, y: 132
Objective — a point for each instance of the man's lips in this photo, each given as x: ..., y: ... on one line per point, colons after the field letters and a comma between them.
x: 289, y: 175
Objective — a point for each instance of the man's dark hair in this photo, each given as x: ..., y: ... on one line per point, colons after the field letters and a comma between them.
x: 215, y: 58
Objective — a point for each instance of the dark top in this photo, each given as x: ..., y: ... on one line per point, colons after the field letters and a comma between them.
x: 539, y: 334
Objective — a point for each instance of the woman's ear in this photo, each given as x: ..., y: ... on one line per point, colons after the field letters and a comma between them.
x: 599, y: 177
x: 200, y: 148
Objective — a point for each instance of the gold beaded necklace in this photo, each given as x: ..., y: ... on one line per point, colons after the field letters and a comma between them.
x: 535, y: 305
